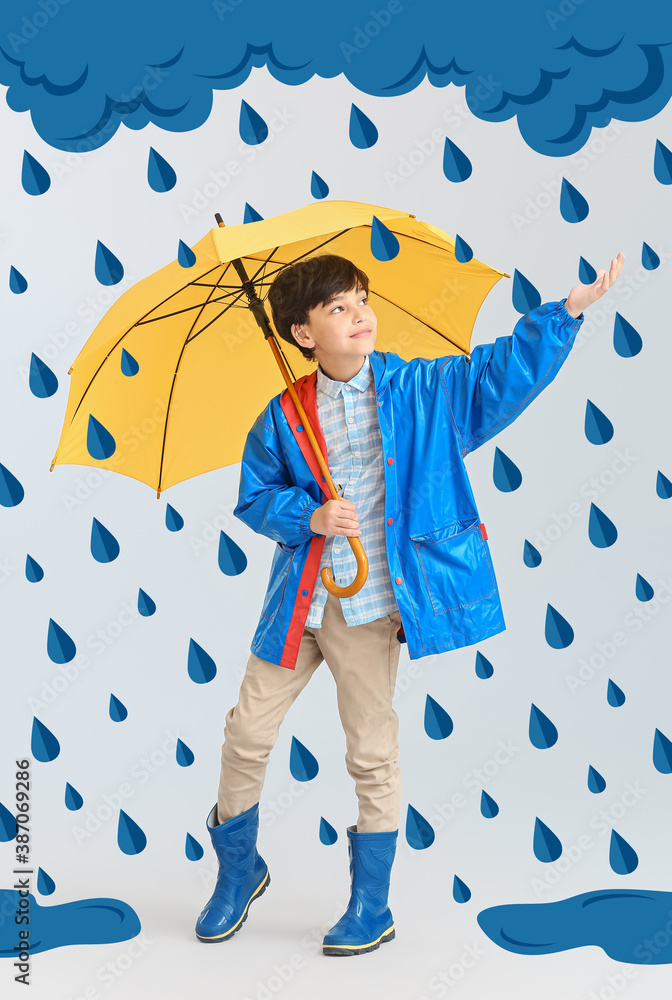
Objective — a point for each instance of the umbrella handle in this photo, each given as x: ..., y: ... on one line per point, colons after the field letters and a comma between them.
x: 360, y: 555
x: 360, y: 579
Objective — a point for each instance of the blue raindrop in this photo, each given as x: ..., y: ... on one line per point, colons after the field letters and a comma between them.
x: 130, y: 837
x: 328, y: 835
x: 599, y: 428
x: 251, y: 126
x: 662, y: 753
x: 8, y: 825
x: 662, y: 163
x: 41, y: 380
x: 419, y: 833
x: 484, y: 669
x: 104, y: 546
x: 384, y: 244
x: 45, y: 883
x: 542, y: 732
x: 43, y: 744
x: 73, y: 800
x: 546, y: 845
x: 193, y: 849
x: 531, y: 556
x: 34, y: 572
x: 587, y: 273
x: 99, y: 442
x: 118, y: 711
x: 185, y: 255
x: 160, y: 174
x: 615, y: 695
x: 174, y: 520
x: 461, y: 891
x: 596, y: 782
x: 302, y: 764
x: 558, y: 632
x: 601, y: 531
x: 251, y: 215
x: 183, y: 754
x: 456, y: 164
x: 663, y: 486
x: 11, y: 490
x: 34, y: 178
x: 506, y: 475
x: 363, y: 133
x: 627, y: 342
x: 318, y: 187
x: 146, y: 605
x: 643, y: 589
x: 17, y: 282
x: 129, y: 366
x: 573, y: 206
x: 200, y: 665
x: 438, y: 724
x: 230, y: 557
x: 60, y: 647
x: 523, y: 294
x: 108, y: 268
x: 650, y: 259
x: 622, y: 857
x: 489, y: 807
x: 463, y: 252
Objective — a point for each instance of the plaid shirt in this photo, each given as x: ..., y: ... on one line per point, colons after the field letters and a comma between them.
x: 349, y: 421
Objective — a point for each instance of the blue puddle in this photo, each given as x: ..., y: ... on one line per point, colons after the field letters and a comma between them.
x: 83, y: 921
x: 630, y: 925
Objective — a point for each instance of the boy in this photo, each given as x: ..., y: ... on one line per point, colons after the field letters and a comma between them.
x: 395, y: 434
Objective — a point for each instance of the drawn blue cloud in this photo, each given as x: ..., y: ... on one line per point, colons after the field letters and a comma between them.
x: 559, y: 68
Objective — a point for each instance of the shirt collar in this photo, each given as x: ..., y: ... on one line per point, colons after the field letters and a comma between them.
x: 360, y: 381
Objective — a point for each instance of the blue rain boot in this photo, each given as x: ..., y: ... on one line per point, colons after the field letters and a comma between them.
x: 242, y: 876
x: 367, y: 922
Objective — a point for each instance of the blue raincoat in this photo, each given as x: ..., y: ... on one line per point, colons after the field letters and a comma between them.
x: 431, y: 414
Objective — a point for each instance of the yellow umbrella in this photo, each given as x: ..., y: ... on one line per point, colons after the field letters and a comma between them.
x: 174, y: 375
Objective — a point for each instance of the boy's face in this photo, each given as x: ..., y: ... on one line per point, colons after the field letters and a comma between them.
x: 344, y: 328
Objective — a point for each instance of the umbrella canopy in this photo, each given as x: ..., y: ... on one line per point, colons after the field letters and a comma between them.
x: 174, y: 375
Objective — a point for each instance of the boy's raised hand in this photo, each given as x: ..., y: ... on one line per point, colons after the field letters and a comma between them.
x: 582, y: 296
x: 335, y: 517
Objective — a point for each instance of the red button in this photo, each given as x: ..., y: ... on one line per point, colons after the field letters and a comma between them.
x: 398, y: 580
x: 389, y: 461
x: 389, y: 520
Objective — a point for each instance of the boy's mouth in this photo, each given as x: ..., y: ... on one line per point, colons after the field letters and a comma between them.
x: 360, y: 333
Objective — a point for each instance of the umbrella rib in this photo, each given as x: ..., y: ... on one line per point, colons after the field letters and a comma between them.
x: 424, y: 322
x: 125, y: 334
x: 170, y: 396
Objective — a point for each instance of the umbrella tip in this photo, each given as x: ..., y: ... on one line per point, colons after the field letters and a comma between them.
x: 219, y: 220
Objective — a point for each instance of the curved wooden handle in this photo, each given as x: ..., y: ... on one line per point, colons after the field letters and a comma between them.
x: 355, y: 543
x: 360, y: 578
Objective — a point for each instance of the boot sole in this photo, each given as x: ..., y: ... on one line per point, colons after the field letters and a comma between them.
x: 229, y: 934
x: 328, y: 949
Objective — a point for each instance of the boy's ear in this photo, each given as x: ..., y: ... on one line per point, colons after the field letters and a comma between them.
x: 300, y: 335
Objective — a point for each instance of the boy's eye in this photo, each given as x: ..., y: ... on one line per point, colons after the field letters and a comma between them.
x: 364, y: 298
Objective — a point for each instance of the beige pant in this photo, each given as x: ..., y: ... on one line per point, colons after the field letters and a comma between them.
x: 363, y: 660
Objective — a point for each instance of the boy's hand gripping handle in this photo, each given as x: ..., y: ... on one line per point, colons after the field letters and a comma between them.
x: 355, y: 544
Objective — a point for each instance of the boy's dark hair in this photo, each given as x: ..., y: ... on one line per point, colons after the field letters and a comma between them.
x: 306, y: 284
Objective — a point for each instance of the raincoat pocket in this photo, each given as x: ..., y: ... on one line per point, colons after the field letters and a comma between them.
x: 280, y: 569
x: 455, y: 565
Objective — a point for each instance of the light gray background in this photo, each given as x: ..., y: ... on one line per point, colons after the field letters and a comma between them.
x: 508, y: 212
